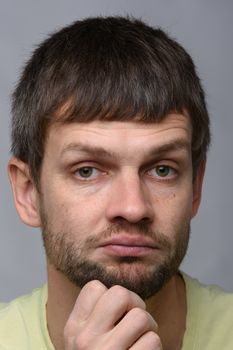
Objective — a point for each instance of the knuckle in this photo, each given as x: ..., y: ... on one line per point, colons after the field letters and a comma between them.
x: 81, y: 342
x: 121, y: 293
x: 74, y: 339
x: 153, y: 341
x: 141, y: 316
x: 94, y: 285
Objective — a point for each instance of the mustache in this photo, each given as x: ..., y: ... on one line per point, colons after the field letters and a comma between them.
x: 140, y: 228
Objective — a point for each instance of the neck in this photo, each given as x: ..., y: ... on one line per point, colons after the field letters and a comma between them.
x: 168, y: 307
x: 62, y: 295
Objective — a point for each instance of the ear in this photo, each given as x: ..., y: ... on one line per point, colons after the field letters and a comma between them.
x: 25, y: 194
x: 197, y: 188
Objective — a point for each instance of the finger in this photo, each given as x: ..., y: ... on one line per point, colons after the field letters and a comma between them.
x: 111, y: 307
x: 134, y: 325
x: 149, y: 340
x: 86, y: 301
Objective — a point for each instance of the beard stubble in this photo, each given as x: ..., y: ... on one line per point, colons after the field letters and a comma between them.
x: 134, y: 273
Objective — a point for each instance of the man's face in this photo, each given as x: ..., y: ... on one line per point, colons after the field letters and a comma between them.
x: 116, y: 201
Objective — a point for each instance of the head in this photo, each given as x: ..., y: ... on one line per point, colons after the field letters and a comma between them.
x: 104, y: 73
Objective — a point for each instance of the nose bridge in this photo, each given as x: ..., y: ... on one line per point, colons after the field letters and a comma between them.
x: 129, y: 199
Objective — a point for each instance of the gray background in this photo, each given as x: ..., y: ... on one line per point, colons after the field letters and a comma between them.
x: 205, y: 28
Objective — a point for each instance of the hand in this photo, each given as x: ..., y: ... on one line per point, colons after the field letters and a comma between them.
x: 110, y: 319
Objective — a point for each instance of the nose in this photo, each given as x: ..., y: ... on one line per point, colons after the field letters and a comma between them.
x: 129, y: 200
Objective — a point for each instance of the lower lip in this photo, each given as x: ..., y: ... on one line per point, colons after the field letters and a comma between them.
x: 123, y: 250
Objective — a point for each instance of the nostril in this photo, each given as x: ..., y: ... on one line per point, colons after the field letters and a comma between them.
x: 120, y: 223
x: 120, y: 220
x: 145, y: 220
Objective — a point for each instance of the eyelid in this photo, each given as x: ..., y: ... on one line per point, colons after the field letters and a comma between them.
x: 163, y: 178
x: 79, y: 167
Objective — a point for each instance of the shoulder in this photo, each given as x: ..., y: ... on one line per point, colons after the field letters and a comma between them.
x: 22, y: 320
x: 209, y: 315
x: 208, y: 295
x: 23, y: 306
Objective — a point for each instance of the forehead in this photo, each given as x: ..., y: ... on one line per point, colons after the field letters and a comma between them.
x: 120, y: 135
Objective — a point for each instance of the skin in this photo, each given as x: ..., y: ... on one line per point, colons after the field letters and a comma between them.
x: 146, y: 176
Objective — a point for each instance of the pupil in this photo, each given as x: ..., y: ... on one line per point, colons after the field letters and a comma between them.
x: 85, y: 172
x: 163, y: 171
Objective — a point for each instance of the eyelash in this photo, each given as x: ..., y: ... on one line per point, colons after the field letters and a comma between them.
x: 87, y: 167
x: 166, y: 177
x: 171, y: 172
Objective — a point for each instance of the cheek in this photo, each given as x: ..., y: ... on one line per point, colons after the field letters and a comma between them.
x: 174, y: 211
x: 72, y: 211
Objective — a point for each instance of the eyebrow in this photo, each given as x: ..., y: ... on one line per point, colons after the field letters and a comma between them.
x: 88, y: 149
x: 170, y: 146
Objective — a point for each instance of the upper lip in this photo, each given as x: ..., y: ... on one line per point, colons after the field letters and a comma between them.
x: 130, y: 241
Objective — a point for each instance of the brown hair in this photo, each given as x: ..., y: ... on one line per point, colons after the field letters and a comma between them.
x: 105, y: 68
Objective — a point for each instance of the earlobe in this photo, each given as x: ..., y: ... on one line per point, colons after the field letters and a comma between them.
x: 197, y: 188
x: 24, y: 192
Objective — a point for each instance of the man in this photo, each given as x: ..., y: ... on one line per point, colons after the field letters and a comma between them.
x: 109, y: 139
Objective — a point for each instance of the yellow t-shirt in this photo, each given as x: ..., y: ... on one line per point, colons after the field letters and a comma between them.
x: 209, y: 324
x: 23, y: 323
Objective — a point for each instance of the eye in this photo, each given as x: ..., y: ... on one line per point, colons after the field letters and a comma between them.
x: 87, y: 172
x: 162, y: 171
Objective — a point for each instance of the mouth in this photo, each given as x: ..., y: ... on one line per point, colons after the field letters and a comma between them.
x: 127, y: 245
